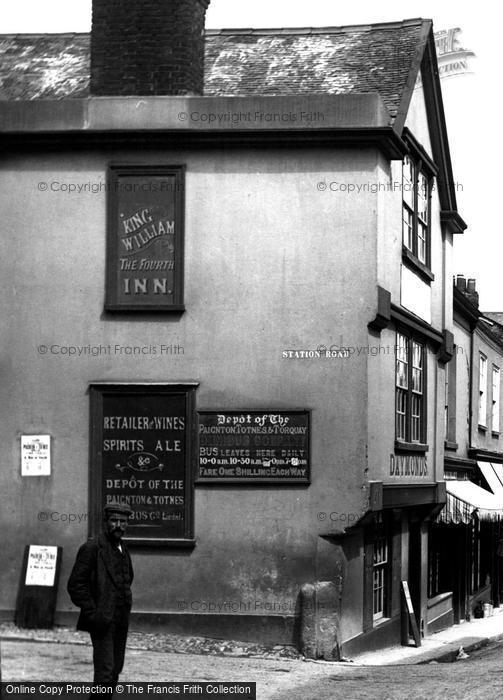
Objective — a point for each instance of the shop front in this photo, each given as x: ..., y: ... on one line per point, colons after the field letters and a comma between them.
x: 463, y: 550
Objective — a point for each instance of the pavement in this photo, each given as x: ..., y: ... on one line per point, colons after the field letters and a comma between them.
x: 64, y: 654
x: 442, y: 646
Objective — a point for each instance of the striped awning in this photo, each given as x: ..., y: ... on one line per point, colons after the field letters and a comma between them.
x: 493, y: 474
x: 466, y: 500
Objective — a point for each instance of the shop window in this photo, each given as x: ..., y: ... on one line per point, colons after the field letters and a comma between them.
x: 380, y: 576
x: 381, y: 567
x: 483, y: 390
x: 495, y: 423
x: 416, y: 188
x: 439, y: 560
x: 410, y: 390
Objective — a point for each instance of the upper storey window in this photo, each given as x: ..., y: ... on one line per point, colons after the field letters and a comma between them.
x: 416, y: 188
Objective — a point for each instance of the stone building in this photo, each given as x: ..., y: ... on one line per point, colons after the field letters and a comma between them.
x: 230, y: 293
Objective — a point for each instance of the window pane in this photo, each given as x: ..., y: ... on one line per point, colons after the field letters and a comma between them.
x: 417, y: 367
x: 422, y: 198
x: 408, y: 182
x: 422, y: 234
x: 408, y: 228
x: 482, y: 390
x: 496, y: 400
x: 402, y: 361
x: 401, y: 414
x: 379, y: 577
x: 415, y: 426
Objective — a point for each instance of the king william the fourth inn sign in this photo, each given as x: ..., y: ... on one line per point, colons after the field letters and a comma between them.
x: 145, y: 238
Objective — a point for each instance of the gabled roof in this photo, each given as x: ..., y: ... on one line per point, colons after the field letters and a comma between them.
x: 333, y: 60
x: 328, y: 60
x: 383, y: 58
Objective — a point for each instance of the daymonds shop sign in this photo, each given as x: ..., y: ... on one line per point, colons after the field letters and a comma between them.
x: 145, y: 238
x: 408, y: 465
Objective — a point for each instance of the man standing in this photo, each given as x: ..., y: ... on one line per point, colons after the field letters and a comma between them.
x: 100, y: 585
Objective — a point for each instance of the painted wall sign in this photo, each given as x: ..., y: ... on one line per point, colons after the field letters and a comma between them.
x: 35, y: 455
x: 254, y: 446
x: 41, y: 565
x: 142, y: 455
x: 408, y: 465
x: 145, y: 238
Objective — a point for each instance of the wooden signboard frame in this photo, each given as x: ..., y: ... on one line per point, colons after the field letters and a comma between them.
x: 253, y: 446
x: 149, y: 443
x: 408, y: 608
x: 145, y: 238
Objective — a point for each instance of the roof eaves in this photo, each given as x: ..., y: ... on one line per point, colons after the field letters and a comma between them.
x: 44, y: 35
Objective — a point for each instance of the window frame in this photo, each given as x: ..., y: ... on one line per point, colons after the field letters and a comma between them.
x: 381, y: 536
x: 482, y: 417
x: 405, y: 431
x: 450, y: 399
x: 420, y: 165
x: 495, y: 402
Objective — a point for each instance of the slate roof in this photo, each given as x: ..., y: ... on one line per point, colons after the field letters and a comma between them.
x: 328, y: 60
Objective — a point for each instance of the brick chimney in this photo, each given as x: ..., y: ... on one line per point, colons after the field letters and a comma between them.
x: 468, y: 288
x: 471, y: 292
x: 148, y: 47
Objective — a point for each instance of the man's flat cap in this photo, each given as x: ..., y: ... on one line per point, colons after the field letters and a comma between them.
x: 117, y: 507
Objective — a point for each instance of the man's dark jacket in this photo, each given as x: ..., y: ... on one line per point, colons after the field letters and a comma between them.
x: 92, y: 585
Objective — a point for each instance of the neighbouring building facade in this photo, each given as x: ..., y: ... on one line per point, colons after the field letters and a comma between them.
x: 465, y: 569
x: 229, y: 303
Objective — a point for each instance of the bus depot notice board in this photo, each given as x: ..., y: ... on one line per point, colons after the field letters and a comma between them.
x: 254, y: 446
x: 142, y: 454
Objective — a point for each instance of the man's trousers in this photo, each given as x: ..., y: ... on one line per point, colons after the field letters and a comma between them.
x: 109, y: 647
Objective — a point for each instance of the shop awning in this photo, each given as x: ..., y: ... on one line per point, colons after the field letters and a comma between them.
x: 493, y: 474
x: 465, y: 500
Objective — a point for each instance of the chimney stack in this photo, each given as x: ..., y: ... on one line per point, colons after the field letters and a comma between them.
x: 148, y: 47
x: 461, y: 283
x: 471, y: 292
x: 468, y: 289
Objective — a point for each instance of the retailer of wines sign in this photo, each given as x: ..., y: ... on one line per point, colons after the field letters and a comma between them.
x: 145, y: 238
x: 141, y: 438
x: 254, y: 446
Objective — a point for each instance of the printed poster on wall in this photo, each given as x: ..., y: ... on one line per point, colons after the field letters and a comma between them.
x: 35, y: 455
x: 41, y: 565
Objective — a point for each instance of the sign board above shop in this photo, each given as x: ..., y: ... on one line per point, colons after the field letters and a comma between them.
x: 254, y: 447
x: 142, y: 438
x: 145, y: 238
